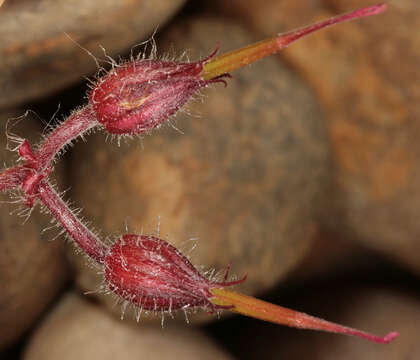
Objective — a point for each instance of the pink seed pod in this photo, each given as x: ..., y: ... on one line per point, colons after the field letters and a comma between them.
x: 138, y: 96
x: 153, y: 275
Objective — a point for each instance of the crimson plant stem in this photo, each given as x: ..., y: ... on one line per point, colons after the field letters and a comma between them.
x: 85, y: 238
x: 74, y: 126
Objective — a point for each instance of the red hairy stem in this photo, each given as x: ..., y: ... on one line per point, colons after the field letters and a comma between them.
x: 238, y: 58
x: 249, y: 306
x: 75, y: 125
x: 13, y: 177
x: 87, y: 240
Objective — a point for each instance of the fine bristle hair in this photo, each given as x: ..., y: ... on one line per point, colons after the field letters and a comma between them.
x: 14, y: 141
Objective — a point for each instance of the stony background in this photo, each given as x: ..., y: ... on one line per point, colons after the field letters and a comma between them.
x: 303, y: 172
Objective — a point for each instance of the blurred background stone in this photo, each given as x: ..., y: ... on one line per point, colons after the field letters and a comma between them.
x: 36, y: 55
x: 270, y: 16
x: 76, y: 329
x: 365, y: 73
x: 331, y: 255
x: 247, y: 178
x: 32, y: 269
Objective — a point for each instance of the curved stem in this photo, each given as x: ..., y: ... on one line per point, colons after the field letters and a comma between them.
x: 249, y: 306
x: 87, y: 240
x: 75, y: 125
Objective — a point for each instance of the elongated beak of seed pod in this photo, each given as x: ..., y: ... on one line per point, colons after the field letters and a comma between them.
x: 238, y: 58
x: 259, y: 309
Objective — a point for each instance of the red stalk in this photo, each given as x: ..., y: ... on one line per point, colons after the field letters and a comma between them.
x: 87, y: 240
x: 75, y: 125
x: 13, y: 177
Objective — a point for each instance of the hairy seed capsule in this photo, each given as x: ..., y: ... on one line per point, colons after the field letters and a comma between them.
x: 138, y: 96
x: 152, y: 274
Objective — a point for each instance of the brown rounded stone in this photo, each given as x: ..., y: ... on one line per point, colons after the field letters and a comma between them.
x: 32, y: 269
x: 366, y: 75
x: 246, y: 178
x: 79, y: 330
x: 37, y: 54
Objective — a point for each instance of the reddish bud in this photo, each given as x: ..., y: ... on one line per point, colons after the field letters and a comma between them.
x: 154, y: 275
x: 138, y: 96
